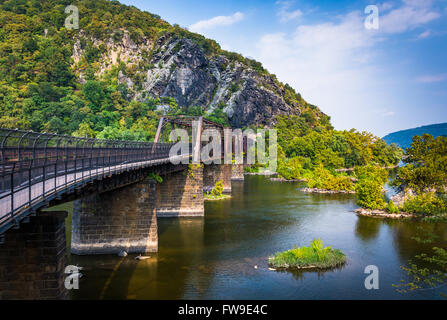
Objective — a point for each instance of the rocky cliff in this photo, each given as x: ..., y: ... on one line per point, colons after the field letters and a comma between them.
x: 108, y: 77
x: 180, y: 68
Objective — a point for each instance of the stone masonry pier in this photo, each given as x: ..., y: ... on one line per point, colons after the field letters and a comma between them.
x: 33, y: 259
x: 181, y: 193
x: 237, y: 172
x: 122, y: 219
x: 217, y: 172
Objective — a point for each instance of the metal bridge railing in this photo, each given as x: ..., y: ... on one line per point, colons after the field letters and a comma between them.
x: 34, y: 167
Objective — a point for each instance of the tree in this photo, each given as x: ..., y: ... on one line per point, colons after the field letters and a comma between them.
x: 369, y: 194
x: 426, y: 165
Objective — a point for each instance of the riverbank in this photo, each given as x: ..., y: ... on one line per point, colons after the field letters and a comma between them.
x: 264, y: 173
x: 352, y: 169
x: 285, y: 180
x: 384, y: 214
x: 316, y: 190
x: 216, y: 198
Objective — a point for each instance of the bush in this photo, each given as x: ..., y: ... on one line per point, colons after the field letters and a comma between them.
x: 324, y: 179
x: 315, y: 256
x: 156, y: 177
x: 427, y: 204
x: 371, y: 172
x: 392, y: 208
x: 291, y: 168
x: 338, y: 183
x: 319, y: 176
x: 369, y: 194
x: 218, y: 189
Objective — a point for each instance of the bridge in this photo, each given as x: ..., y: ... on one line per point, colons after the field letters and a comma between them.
x: 116, y: 199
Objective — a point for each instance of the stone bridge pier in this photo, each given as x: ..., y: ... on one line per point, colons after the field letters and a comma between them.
x: 213, y: 173
x: 122, y: 219
x: 33, y: 259
x: 181, y: 193
x: 237, y: 172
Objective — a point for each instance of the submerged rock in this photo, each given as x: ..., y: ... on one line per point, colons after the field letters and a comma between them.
x: 383, y: 214
x: 316, y: 190
x: 140, y: 257
x: 122, y: 253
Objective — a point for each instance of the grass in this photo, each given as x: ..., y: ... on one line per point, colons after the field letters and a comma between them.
x: 313, y: 257
x: 209, y: 196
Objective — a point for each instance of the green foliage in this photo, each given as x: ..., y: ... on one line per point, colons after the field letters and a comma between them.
x: 192, y: 168
x: 218, y: 189
x: 427, y: 204
x: 156, y: 177
x: 392, y: 208
x: 425, y: 272
x: 253, y: 168
x: 426, y: 165
x: 315, y: 256
x: 311, y: 136
x: 218, y: 116
x: 317, y: 247
x: 369, y: 194
x: 322, y: 178
x: 371, y: 172
x: 292, y: 168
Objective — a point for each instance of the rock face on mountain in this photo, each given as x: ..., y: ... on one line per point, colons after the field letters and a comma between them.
x: 179, y: 68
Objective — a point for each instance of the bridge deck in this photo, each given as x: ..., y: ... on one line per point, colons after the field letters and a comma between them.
x: 14, y: 204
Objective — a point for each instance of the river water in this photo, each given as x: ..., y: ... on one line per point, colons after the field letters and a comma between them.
x: 215, y: 257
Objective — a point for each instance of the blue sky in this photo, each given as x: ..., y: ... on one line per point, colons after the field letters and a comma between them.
x: 376, y: 80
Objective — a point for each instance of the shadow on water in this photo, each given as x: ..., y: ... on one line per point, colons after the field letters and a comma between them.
x: 300, y: 274
x: 368, y: 228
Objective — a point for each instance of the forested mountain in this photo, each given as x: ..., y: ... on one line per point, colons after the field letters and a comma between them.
x: 123, y: 69
x: 404, y: 138
x: 109, y: 77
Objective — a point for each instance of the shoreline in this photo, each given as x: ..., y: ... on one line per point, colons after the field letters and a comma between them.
x: 223, y: 197
x: 285, y: 180
x: 352, y: 169
x: 384, y: 214
x: 324, y: 191
x: 265, y: 173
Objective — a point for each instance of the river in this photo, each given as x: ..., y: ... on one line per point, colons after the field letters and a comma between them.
x: 215, y: 257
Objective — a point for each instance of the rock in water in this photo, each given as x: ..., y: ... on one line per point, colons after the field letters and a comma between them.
x: 122, y: 253
x: 140, y: 257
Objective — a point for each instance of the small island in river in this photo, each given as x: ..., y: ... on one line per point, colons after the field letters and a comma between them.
x: 313, y: 257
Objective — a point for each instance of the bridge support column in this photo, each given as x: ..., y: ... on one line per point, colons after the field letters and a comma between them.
x: 181, y: 193
x: 122, y: 219
x: 217, y: 172
x: 237, y: 172
x: 33, y: 259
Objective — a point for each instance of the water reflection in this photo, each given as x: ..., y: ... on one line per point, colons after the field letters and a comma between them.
x: 367, y: 228
x: 215, y: 257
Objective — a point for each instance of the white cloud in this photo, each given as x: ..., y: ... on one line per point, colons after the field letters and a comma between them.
x: 385, y: 6
x: 424, y: 34
x: 385, y: 112
x: 432, y: 78
x: 285, y: 14
x: 412, y: 14
x: 216, y: 22
x: 327, y: 63
x: 337, y: 65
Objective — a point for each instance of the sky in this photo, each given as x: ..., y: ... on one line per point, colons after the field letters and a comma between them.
x: 376, y: 74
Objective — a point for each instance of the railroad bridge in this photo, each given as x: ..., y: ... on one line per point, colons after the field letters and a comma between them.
x: 116, y: 199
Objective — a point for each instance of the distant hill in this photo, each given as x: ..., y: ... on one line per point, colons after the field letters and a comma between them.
x: 404, y: 138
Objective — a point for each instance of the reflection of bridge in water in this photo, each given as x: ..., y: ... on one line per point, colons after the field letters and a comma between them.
x: 116, y: 203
